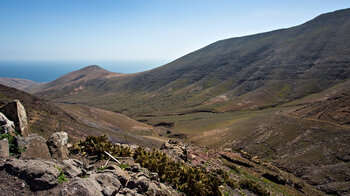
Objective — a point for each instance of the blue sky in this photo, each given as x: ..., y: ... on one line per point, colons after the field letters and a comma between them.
x: 153, y: 30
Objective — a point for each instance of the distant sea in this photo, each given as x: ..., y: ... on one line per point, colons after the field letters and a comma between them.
x: 40, y: 71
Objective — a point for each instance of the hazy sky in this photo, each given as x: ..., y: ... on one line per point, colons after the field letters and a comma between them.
x: 64, y: 30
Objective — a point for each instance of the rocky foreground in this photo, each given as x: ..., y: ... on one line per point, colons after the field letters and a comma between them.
x: 72, y: 177
x: 33, y: 165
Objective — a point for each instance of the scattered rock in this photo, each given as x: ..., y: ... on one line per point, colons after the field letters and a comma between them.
x: 129, y: 192
x: 6, y: 126
x: 4, y: 148
x: 82, y: 186
x: 121, y: 175
x: 39, y: 174
x: 72, y: 167
x: 33, y: 146
x: 175, y: 149
x: 57, y: 144
x: 16, y: 112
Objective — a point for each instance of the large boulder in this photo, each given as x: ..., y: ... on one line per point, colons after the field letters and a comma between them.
x: 38, y: 174
x: 57, y: 144
x: 33, y: 146
x: 16, y: 112
x: 4, y: 148
x: 6, y: 126
x: 82, y: 186
x: 109, y: 183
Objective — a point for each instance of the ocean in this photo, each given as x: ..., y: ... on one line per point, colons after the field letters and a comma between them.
x: 41, y: 71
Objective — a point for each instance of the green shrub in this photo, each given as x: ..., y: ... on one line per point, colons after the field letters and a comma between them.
x: 13, y: 146
x: 188, y: 179
x: 97, y: 145
x: 183, y: 177
x: 226, y: 179
x: 61, y: 178
x: 123, y: 166
x: 254, y: 187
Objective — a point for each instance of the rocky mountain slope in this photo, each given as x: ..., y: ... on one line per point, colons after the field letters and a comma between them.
x: 44, y: 118
x: 20, y: 84
x: 249, y: 72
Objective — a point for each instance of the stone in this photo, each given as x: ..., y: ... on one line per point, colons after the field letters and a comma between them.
x: 128, y: 192
x: 82, y: 186
x: 38, y: 174
x: 57, y: 144
x: 72, y: 167
x: 4, y: 148
x: 16, y: 113
x: 121, y: 175
x: 142, y: 184
x: 33, y: 146
x: 153, y: 189
x: 176, y: 150
x: 6, y: 126
x: 109, y: 183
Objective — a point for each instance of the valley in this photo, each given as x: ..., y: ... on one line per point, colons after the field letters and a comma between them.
x: 282, y: 98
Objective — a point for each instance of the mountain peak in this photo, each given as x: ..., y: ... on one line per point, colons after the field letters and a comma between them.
x: 92, y: 67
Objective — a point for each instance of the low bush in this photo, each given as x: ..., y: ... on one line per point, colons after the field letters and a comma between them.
x: 254, y: 187
x: 183, y: 177
x: 97, y: 145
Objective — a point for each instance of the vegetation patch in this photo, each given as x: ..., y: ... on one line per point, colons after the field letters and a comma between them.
x: 13, y: 146
x: 97, y: 145
x: 123, y: 166
x: 254, y: 187
x: 192, y: 180
x: 61, y: 177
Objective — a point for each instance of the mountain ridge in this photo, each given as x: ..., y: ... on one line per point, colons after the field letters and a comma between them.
x: 249, y: 72
x: 18, y: 83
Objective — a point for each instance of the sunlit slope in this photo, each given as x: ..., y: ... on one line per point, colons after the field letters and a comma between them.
x: 250, y: 72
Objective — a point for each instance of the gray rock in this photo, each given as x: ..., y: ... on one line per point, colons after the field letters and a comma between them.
x: 176, y: 150
x: 16, y: 113
x: 82, y: 186
x: 153, y: 189
x: 109, y: 183
x: 121, y: 175
x: 57, y: 144
x: 142, y: 184
x: 38, y: 174
x: 128, y: 192
x: 72, y: 167
x: 6, y: 126
x: 4, y: 148
x: 34, y: 147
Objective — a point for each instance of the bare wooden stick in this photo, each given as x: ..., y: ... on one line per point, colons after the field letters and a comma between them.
x: 112, y: 157
x: 107, y: 162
